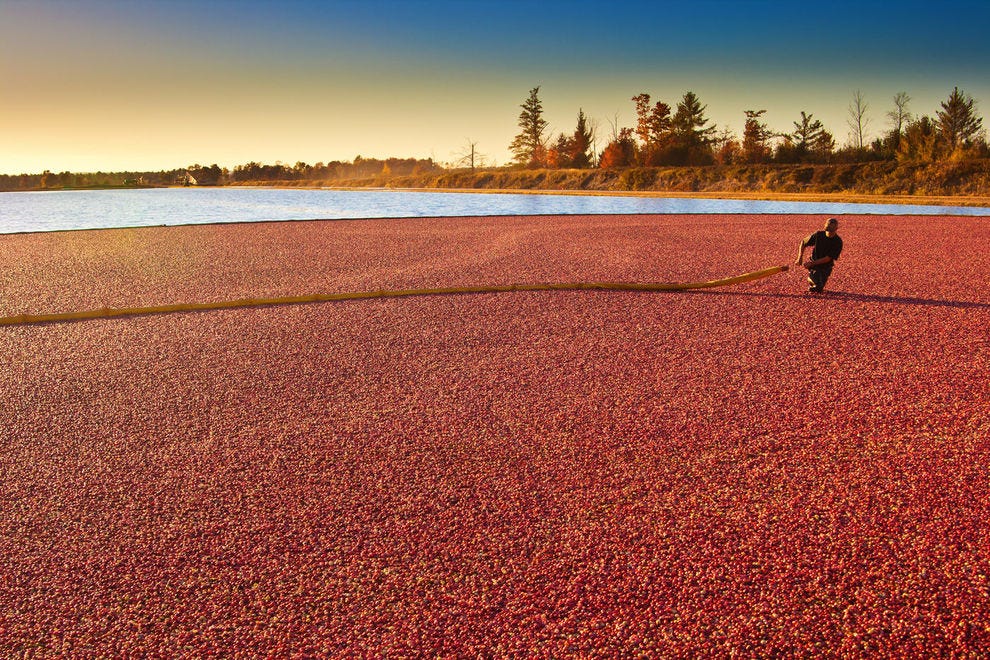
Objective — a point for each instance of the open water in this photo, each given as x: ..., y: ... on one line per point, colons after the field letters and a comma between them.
x: 102, y: 209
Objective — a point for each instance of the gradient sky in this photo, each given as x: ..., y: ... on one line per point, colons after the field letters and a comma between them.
x: 144, y: 85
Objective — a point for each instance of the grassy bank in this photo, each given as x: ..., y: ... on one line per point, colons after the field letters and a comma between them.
x: 951, y: 182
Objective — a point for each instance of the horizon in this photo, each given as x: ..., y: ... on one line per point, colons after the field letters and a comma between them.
x: 150, y: 86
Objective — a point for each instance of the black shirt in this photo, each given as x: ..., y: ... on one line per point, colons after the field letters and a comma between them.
x: 825, y: 246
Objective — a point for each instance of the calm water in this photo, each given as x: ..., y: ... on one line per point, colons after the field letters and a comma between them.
x: 98, y: 209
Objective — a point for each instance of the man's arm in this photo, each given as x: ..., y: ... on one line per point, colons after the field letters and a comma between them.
x: 835, y: 250
x: 801, y: 248
x: 811, y: 263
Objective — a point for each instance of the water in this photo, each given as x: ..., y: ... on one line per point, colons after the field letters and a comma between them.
x: 99, y: 209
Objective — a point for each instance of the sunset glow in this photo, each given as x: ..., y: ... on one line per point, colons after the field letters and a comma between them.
x: 142, y: 85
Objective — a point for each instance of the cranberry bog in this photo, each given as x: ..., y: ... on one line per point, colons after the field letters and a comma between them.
x: 750, y: 470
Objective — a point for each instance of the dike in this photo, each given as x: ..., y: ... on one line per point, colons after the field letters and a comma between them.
x: 963, y: 178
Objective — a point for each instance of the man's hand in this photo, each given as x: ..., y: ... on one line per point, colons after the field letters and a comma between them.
x: 814, y: 263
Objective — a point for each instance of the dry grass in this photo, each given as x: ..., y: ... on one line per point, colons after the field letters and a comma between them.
x: 952, y: 183
x: 841, y: 198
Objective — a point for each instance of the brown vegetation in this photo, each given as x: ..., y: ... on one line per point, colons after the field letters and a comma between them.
x: 959, y: 182
x: 968, y: 178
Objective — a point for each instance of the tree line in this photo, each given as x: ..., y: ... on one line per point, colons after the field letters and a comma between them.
x: 359, y: 168
x: 684, y: 136
x: 253, y: 172
x: 663, y: 135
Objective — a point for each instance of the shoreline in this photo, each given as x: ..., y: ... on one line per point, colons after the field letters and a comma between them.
x: 838, y: 198
x: 967, y: 201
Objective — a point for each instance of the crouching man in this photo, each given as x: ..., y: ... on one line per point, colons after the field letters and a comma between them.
x: 827, y: 247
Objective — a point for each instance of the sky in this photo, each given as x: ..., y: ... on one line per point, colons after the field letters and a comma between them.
x: 145, y: 85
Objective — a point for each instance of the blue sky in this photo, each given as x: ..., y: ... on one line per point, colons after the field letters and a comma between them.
x: 116, y: 85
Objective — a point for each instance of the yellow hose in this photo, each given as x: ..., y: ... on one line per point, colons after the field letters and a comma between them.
x: 27, y: 319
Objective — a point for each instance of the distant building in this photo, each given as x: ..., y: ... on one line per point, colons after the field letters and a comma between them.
x: 200, y: 176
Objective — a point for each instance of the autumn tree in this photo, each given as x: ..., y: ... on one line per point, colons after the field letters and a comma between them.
x: 642, y: 102
x: 620, y: 151
x: 726, y: 147
x: 957, y: 120
x: 529, y: 146
x: 756, y: 138
x: 920, y: 142
x: 690, y: 133
x: 653, y: 128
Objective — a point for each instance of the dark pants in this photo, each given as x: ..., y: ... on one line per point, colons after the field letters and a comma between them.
x: 818, y: 276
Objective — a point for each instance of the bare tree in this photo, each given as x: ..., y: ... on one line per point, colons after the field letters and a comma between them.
x: 899, y: 117
x: 726, y: 146
x: 858, y: 121
x: 593, y: 147
x: 722, y: 138
x: 469, y: 156
x: 614, y: 125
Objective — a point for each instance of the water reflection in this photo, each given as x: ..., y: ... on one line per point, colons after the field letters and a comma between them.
x: 88, y: 209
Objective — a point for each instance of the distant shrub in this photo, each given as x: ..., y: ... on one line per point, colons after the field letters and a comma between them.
x: 637, y: 179
x: 803, y: 175
x: 948, y: 177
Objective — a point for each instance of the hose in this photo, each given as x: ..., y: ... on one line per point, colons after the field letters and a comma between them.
x: 32, y: 319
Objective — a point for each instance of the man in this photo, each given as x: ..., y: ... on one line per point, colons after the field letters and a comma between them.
x: 827, y: 247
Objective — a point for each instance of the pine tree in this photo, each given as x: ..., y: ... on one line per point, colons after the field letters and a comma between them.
x: 580, y: 143
x: 823, y: 146
x: 806, y: 134
x: 559, y: 155
x: 957, y: 120
x: 691, y: 135
x: 528, y: 147
x: 755, y: 136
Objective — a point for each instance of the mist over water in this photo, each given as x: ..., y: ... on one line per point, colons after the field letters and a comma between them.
x: 104, y: 209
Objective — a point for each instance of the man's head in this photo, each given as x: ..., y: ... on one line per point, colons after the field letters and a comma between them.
x: 831, y: 226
